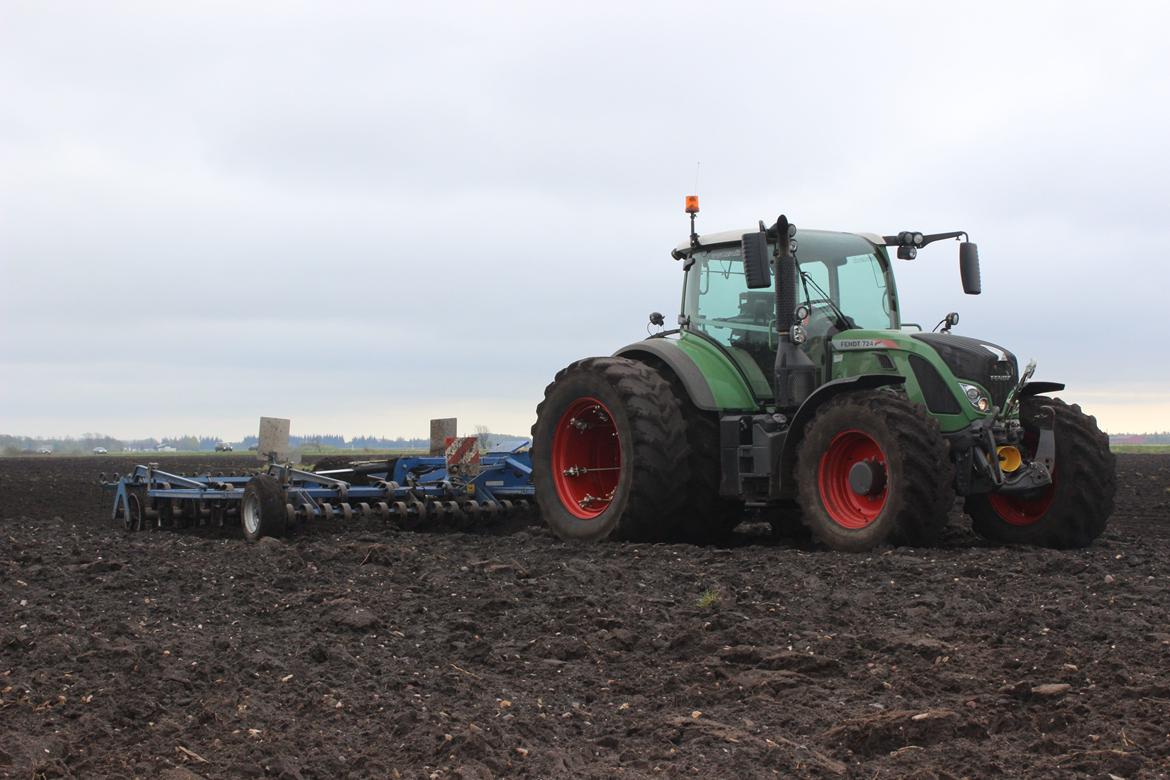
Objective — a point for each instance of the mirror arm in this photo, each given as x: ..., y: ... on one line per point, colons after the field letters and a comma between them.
x: 931, y: 238
x: 928, y: 238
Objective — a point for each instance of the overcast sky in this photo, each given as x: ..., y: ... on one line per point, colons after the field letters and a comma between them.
x: 364, y: 215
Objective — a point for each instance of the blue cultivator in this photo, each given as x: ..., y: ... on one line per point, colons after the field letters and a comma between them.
x: 413, y: 490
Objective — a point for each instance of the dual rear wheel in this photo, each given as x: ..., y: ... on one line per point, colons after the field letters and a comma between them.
x: 609, y: 452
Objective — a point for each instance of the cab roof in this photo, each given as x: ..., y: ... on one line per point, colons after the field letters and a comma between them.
x: 735, y: 236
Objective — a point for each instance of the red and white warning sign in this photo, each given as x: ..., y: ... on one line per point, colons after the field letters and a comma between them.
x: 462, y: 456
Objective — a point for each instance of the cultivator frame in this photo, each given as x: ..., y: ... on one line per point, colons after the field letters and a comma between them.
x: 415, y: 491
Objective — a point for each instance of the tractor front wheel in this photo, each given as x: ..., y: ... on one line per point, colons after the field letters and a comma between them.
x: 1072, y: 511
x: 609, y: 452
x: 873, y: 467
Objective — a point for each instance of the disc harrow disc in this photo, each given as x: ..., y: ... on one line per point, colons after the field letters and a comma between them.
x: 419, y: 512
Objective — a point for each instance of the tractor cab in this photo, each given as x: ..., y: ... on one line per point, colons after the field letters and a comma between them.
x: 843, y: 283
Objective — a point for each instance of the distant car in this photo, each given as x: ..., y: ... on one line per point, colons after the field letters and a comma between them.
x: 100, y: 451
x: 254, y: 448
x: 44, y: 450
x: 223, y: 446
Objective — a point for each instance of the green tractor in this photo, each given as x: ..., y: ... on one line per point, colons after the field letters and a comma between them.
x: 792, y: 391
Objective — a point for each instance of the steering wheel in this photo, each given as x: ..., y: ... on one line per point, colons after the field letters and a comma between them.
x: 824, y: 308
x: 817, y: 303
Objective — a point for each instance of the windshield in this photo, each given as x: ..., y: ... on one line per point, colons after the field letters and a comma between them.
x: 843, y: 279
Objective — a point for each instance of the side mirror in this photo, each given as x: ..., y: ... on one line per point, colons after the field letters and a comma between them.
x: 755, y: 260
x: 969, y: 268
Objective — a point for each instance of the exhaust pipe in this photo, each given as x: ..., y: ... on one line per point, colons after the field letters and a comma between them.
x: 795, y: 372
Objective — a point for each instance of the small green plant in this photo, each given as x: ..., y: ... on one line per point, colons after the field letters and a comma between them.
x: 708, y: 599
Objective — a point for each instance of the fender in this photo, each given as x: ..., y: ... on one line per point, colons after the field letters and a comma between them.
x: 1039, y: 388
x: 678, y: 362
x: 804, y: 415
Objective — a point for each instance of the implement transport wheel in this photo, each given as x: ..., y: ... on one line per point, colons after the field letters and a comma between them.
x: 262, y: 512
x: 1073, y: 510
x: 873, y: 467
x: 135, y: 519
x: 609, y: 452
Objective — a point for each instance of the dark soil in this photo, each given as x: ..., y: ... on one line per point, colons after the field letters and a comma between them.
x: 365, y: 651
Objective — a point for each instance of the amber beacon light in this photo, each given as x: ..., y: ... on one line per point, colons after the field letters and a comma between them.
x: 692, y: 204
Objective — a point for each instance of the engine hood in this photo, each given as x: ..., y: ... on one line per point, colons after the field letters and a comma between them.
x: 992, y: 366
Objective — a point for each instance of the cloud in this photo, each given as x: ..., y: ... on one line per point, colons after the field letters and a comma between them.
x: 362, y: 211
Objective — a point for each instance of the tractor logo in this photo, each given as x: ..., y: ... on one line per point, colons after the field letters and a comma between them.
x: 865, y: 344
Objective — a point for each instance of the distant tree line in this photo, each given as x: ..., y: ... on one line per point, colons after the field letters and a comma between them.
x: 15, y: 445
x: 1140, y: 438
x: 86, y: 442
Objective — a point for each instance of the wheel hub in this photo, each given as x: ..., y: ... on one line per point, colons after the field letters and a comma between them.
x: 867, y: 477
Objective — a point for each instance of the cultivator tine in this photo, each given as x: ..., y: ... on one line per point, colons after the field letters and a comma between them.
x: 327, y: 510
x: 384, y: 511
x: 346, y: 511
x: 290, y: 513
x: 363, y: 509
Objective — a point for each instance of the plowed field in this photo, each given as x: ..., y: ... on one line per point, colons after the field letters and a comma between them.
x: 364, y: 651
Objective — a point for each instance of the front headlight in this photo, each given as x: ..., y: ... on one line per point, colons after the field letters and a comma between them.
x: 976, y: 397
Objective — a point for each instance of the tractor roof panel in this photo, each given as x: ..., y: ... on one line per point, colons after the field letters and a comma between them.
x: 734, y: 237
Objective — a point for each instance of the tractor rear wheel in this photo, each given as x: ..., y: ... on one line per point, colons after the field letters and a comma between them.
x: 873, y: 467
x: 609, y: 452
x: 706, y: 517
x: 1073, y: 510
x: 262, y: 511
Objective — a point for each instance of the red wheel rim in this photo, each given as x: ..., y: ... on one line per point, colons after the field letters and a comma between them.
x: 1015, y: 510
x: 846, y: 507
x: 586, y: 458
